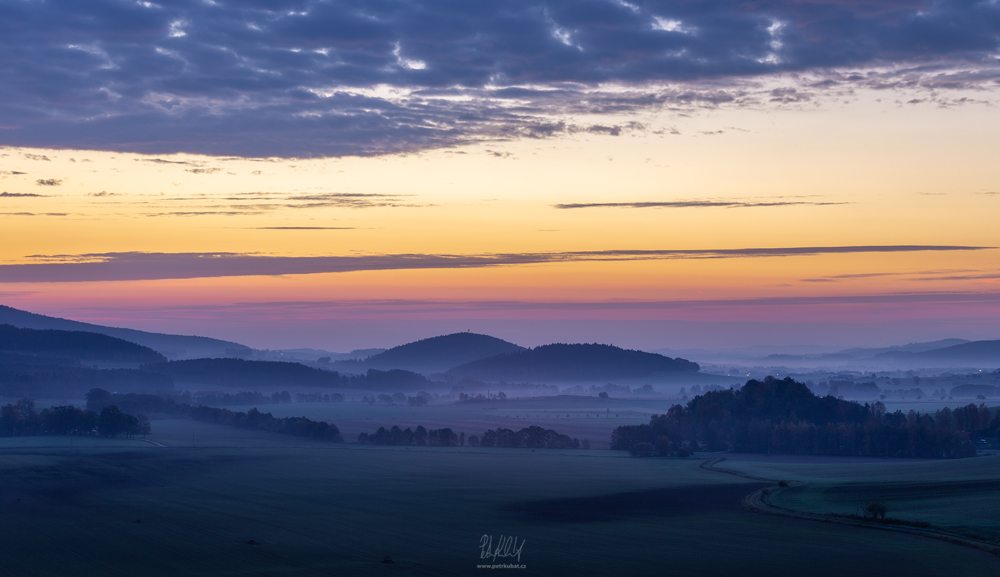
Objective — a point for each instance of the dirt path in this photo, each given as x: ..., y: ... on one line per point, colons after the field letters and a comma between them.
x: 758, y: 502
x: 154, y: 443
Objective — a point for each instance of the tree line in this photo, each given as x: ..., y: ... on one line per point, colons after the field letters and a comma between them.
x: 21, y: 419
x: 258, y: 421
x: 421, y: 399
x: 533, y: 437
x: 528, y: 438
x: 252, y: 419
x: 420, y: 437
x: 784, y: 416
x: 52, y: 379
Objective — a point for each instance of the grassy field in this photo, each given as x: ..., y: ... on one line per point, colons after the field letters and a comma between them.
x: 314, y: 508
x: 961, y: 495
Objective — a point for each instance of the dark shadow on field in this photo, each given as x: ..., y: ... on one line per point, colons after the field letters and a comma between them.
x: 72, y: 475
x: 687, y: 500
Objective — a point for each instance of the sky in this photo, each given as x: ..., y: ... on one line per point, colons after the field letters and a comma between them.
x: 342, y: 175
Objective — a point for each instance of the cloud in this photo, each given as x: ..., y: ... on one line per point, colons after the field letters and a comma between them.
x: 442, y: 306
x: 19, y: 194
x: 151, y: 266
x: 303, y: 228
x: 346, y: 200
x: 161, y: 161
x: 923, y: 275
x: 692, y: 204
x: 315, y: 78
x: 12, y: 172
x: 48, y: 182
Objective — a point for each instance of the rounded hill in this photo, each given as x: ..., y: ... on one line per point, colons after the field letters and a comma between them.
x: 76, y: 345
x: 563, y: 362
x: 437, y: 354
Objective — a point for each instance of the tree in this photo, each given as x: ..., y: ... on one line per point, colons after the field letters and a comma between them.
x: 663, y: 446
x: 111, y: 422
x: 875, y: 511
x: 603, y: 395
x: 641, y: 450
x: 399, y: 397
x: 130, y: 424
x: 144, y: 428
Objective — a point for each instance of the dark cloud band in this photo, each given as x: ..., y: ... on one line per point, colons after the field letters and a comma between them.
x: 128, y: 266
x: 321, y: 77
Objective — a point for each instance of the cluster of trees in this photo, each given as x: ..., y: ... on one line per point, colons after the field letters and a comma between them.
x: 419, y: 437
x: 784, y: 416
x: 481, y: 398
x: 101, y: 400
x: 318, y: 398
x: 470, y: 385
x: 419, y: 400
x: 610, y: 389
x: 528, y: 438
x: 21, y: 419
x: 908, y: 393
x: 29, y: 377
x: 240, y: 398
x: 113, y: 422
x: 258, y: 421
x: 975, y: 419
x: 533, y: 437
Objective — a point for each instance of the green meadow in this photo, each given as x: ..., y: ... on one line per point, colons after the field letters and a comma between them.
x: 961, y: 495
x: 112, y: 507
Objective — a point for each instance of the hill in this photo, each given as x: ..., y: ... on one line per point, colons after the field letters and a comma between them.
x: 976, y: 353
x: 170, y: 346
x: 563, y: 362
x: 76, y: 345
x: 434, y: 355
x: 867, y: 353
x: 54, y: 363
x: 968, y: 354
x: 271, y: 374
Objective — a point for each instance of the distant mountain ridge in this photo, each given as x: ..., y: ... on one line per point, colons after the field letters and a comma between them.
x: 862, y: 352
x: 969, y: 354
x: 277, y: 374
x: 433, y: 355
x: 47, y: 362
x: 562, y: 362
x: 170, y: 346
x: 76, y: 345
